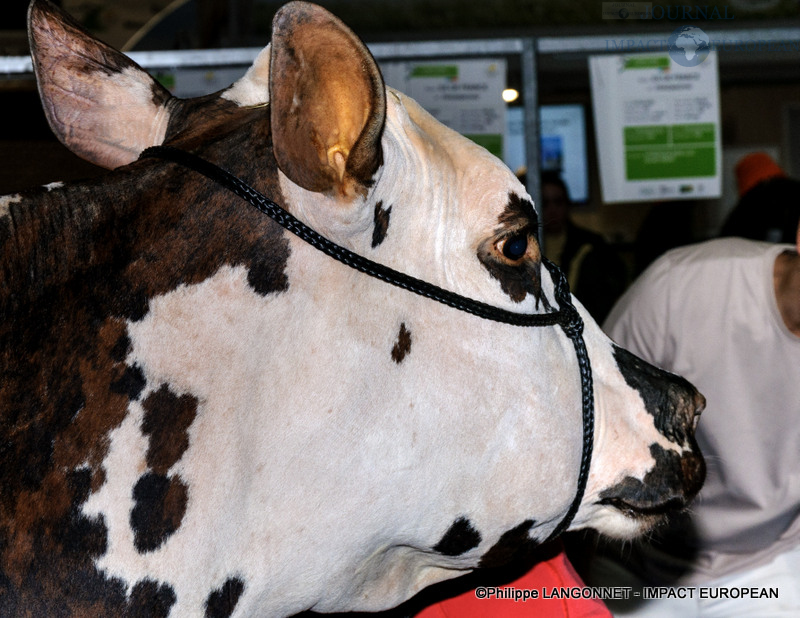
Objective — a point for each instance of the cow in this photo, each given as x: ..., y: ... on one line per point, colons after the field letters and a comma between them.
x: 205, y: 414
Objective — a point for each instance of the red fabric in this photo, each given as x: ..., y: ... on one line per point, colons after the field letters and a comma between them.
x: 556, y: 572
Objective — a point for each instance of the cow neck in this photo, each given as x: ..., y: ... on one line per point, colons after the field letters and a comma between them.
x: 567, y: 317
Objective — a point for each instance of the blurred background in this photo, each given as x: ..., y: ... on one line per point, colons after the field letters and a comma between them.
x: 536, y: 51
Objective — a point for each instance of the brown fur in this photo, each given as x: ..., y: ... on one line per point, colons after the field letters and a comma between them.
x: 77, y: 263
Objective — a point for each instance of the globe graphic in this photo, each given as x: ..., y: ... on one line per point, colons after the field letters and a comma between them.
x: 689, y: 46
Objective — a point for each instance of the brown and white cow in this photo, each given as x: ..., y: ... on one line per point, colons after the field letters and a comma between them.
x: 204, y: 415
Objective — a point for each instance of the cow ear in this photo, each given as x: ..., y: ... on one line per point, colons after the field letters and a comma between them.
x: 99, y: 103
x: 328, y: 102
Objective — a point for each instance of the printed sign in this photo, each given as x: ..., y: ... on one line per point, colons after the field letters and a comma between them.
x: 657, y: 126
x: 465, y: 95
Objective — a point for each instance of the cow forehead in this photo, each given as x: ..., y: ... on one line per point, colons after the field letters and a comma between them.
x: 478, y: 180
x: 438, y: 197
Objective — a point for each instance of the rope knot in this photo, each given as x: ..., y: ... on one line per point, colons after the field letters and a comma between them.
x: 571, y: 322
x: 570, y: 319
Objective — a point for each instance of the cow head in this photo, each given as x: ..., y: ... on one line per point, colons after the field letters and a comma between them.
x: 212, y: 414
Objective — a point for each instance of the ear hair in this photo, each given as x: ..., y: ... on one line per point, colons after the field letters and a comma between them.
x: 328, y: 102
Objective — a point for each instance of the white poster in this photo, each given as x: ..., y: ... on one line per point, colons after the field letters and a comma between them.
x: 465, y: 95
x: 657, y: 123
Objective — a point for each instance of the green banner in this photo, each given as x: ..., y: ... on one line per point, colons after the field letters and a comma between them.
x: 670, y: 151
x: 647, y: 62
x: 449, y: 71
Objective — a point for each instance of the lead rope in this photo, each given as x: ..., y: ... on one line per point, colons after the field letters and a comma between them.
x: 572, y: 326
x: 567, y: 316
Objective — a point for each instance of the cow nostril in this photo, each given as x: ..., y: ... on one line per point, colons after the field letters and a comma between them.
x: 699, y: 404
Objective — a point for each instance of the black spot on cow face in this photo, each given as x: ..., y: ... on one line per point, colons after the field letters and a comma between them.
x: 130, y: 383
x: 518, y: 271
x: 671, y: 400
x: 512, y: 545
x: 160, y: 504
x: 150, y: 599
x: 222, y: 602
x: 673, y: 479
x: 403, y: 344
x: 167, y: 418
x: 459, y: 538
x: 381, y: 219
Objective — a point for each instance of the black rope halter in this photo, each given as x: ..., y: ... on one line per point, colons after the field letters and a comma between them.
x: 566, y: 316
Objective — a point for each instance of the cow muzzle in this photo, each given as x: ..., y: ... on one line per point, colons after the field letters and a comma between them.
x: 671, y: 484
x: 678, y: 468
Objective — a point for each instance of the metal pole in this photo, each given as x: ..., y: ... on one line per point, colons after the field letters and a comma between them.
x: 531, y: 123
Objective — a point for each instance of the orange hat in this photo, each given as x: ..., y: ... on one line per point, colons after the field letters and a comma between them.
x: 754, y: 168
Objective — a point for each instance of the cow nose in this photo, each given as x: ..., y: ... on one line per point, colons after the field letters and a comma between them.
x: 669, y: 486
x: 678, y: 469
x: 673, y: 401
x: 688, y: 405
x: 681, y: 411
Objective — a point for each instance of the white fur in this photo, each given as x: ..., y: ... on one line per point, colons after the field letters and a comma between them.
x: 108, y: 121
x: 253, y: 87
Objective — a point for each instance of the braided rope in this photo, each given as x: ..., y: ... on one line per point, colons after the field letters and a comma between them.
x: 567, y: 317
x: 573, y: 328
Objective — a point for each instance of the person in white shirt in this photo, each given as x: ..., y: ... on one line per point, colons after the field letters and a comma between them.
x: 725, y: 314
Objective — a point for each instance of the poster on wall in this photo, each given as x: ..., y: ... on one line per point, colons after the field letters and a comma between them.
x: 657, y: 125
x: 465, y: 95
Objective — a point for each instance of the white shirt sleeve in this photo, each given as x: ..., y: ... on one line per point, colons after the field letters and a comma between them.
x: 639, y: 321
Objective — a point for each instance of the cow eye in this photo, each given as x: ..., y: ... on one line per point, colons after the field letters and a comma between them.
x: 515, y: 247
